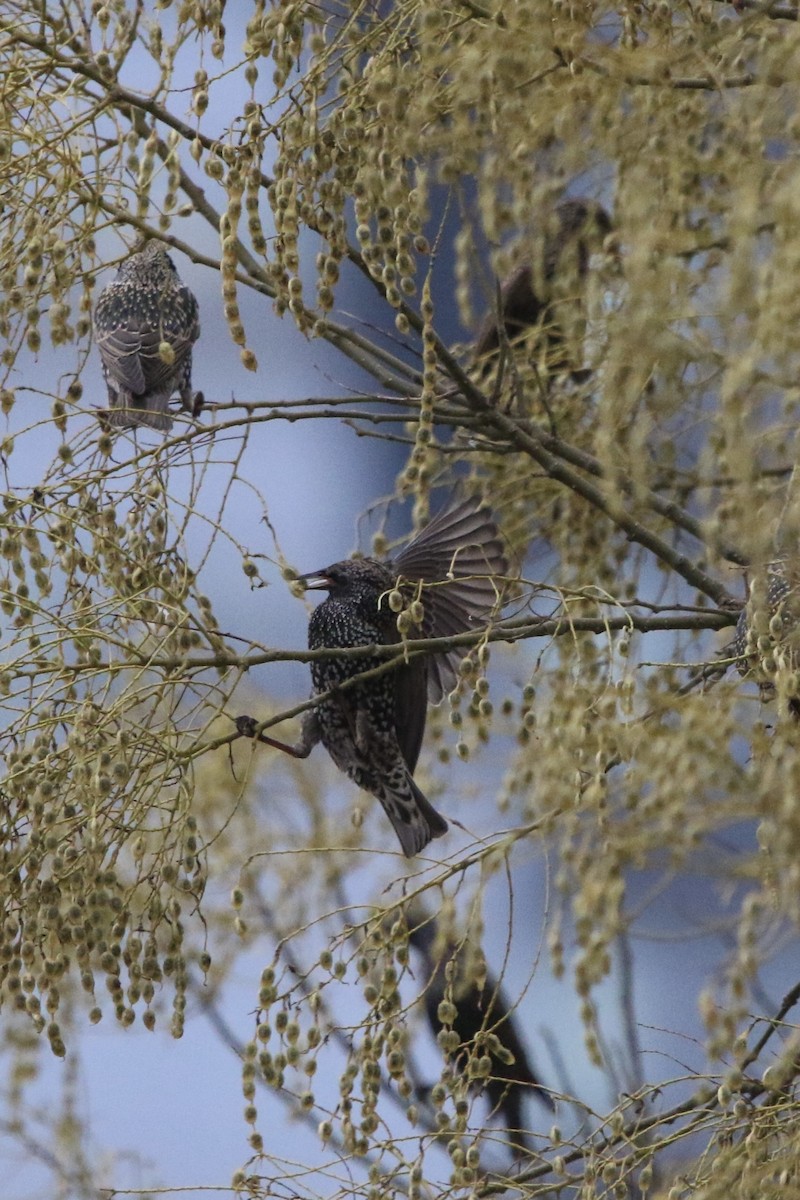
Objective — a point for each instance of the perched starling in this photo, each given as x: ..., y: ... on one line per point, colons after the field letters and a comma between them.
x: 782, y: 609
x: 480, y: 1009
x: 373, y: 730
x: 140, y: 311
x: 546, y: 293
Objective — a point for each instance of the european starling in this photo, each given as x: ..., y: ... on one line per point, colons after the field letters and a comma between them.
x: 480, y: 1008
x: 782, y: 605
x: 373, y: 730
x: 145, y: 323
x: 546, y: 292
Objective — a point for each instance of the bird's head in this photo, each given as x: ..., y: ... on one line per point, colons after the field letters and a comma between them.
x: 353, y: 577
x: 151, y: 261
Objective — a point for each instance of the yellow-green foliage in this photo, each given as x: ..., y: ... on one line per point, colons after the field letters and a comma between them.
x: 416, y: 145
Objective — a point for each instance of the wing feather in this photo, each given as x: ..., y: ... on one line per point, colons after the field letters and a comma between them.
x: 461, y: 559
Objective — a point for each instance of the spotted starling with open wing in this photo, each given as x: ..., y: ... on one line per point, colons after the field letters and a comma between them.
x: 373, y: 730
x: 145, y: 307
x: 545, y: 293
x: 781, y: 602
x: 478, y: 1007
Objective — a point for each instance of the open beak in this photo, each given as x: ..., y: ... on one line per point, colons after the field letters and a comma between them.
x: 316, y: 581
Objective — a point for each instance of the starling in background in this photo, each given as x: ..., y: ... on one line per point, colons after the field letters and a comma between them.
x: 782, y: 601
x: 480, y: 1009
x: 144, y: 307
x: 373, y: 730
x: 547, y: 293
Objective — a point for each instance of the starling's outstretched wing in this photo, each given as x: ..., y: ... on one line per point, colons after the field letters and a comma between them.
x: 459, y: 555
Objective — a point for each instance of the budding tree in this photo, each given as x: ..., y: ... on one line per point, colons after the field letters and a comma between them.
x: 607, y: 197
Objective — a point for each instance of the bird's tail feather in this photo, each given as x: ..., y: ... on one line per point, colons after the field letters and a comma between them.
x: 129, y: 412
x: 414, y: 819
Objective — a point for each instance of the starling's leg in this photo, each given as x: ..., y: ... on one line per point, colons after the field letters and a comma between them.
x: 248, y: 727
x: 192, y: 402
